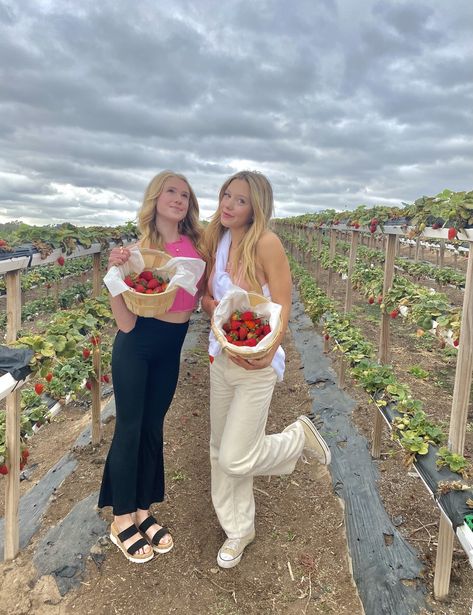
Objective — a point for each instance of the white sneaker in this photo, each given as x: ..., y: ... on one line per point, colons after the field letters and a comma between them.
x: 232, y: 549
x: 314, y: 443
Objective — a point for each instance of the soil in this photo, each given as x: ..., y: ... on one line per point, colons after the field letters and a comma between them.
x: 299, y: 562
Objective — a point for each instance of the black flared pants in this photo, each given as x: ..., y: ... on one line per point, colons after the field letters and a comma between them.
x: 145, y: 369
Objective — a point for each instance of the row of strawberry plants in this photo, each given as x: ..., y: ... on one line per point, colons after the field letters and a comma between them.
x: 424, y: 307
x: 45, y: 276
x: 448, y: 209
x: 441, y: 275
x: 62, y: 362
x: 412, y: 429
x: 49, y: 304
x: 65, y: 236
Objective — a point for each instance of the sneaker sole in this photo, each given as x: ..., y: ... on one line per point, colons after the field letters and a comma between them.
x: 318, y: 437
x: 225, y: 563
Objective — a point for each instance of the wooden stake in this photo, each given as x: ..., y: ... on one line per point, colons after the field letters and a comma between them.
x: 458, y: 420
x: 383, y: 353
x: 12, y: 493
x: 351, y: 264
x: 319, y: 249
x: 96, y: 383
x: 13, y: 290
x: 12, y: 431
x: 332, y: 252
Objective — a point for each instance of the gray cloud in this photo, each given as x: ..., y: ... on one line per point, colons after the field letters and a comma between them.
x: 339, y: 103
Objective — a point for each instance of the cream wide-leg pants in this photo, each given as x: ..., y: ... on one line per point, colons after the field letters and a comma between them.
x: 239, y: 447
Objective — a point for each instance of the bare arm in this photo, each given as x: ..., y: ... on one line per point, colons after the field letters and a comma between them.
x: 272, y: 258
x: 125, y: 319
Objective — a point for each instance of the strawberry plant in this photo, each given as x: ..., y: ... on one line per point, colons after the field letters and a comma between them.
x: 453, y: 461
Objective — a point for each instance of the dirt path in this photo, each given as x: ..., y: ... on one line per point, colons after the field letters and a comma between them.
x: 297, y: 564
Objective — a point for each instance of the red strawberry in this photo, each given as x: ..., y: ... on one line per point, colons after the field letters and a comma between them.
x: 86, y: 353
x: 226, y: 327
x: 394, y: 313
x: 3, y: 469
x: 266, y: 329
x: 95, y: 340
x: 251, y: 342
x: 39, y: 388
x: 250, y: 324
x: 153, y: 283
x: 146, y: 275
x: 452, y: 233
x: 129, y: 282
x: 242, y: 333
x: 371, y: 299
x: 456, y: 342
x: 140, y: 288
x: 380, y: 299
x: 326, y: 336
x: 436, y: 225
x: 49, y: 377
x: 22, y: 465
x: 88, y: 385
x: 235, y: 325
x: 25, y: 454
x: 61, y: 261
x: 106, y: 378
x: 149, y: 291
x: 248, y: 315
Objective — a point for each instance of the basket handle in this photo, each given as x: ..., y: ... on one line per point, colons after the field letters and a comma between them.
x: 150, y: 251
x: 159, y: 256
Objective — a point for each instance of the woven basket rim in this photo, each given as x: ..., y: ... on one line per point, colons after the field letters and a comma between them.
x: 245, y: 351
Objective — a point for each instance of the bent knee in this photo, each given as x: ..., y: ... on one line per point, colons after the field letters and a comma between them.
x: 234, y: 466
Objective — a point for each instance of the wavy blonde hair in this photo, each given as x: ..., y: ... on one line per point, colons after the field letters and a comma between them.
x: 262, y: 205
x: 190, y: 225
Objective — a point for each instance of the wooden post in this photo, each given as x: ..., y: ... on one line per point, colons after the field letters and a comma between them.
x: 12, y: 492
x: 456, y: 436
x: 351, y: 263
x: 13, y: 290
x: 96, y: 275
x: 416, y: 251
x: 442, y: 253
x: 96, y: 383
x: 332, y: 251
x: 319, y: 249
x: 398, y: 246
x: 12, y: 431
x: 383, y: 354
x: 341, y: 372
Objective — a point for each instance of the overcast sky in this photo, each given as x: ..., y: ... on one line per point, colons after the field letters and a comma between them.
x: 339, y: 102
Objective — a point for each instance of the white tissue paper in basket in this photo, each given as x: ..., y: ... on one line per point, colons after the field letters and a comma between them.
x: 237, y: 299
x: 188, y: 272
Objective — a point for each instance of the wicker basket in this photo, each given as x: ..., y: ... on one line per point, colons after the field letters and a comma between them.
x: 151, y: 305
x: 246, y: 352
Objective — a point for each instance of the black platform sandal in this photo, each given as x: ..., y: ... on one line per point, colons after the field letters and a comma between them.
x: 159, y: 548
x: 118, y: 538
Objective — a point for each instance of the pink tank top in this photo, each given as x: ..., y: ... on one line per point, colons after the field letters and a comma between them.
x: 184, y: 301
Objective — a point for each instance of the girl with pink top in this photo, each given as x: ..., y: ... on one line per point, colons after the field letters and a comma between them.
x: 244, y: 252
x: 145, y: 369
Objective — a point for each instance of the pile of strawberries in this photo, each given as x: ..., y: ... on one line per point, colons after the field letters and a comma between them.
x: 246, y: 328
x: 147, y: 282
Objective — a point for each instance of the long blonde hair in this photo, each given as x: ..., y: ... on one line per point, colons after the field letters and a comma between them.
x: 190, y: 225
x: 261, y: 200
